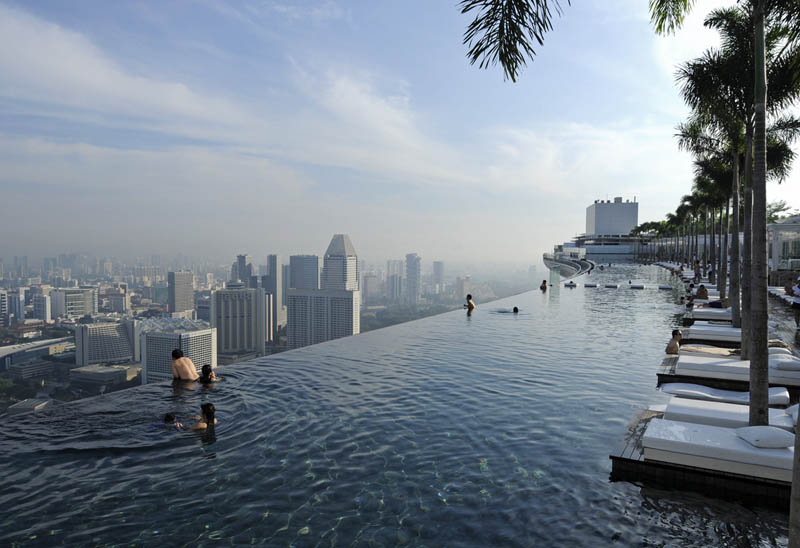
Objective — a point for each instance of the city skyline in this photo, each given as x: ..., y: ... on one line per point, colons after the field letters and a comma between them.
x: 329, y: 112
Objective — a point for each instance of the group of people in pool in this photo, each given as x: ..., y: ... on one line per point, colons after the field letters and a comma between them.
x: 470, y: 306
x: 184, y: 370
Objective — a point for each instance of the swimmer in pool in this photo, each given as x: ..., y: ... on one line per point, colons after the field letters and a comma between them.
x: 470, y: 305
x: 206, y: 418
x: 543, y: 287
x: 168, y: 423
x: 183, y: 368
x: 516, y: 310
x: 207, y: 374
x: 674, y: 347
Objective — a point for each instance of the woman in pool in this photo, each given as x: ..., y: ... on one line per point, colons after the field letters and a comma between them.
x: 207, y: 375
x: 206, y: 417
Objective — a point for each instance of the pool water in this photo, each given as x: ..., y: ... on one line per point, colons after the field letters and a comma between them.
x: 486, y: 430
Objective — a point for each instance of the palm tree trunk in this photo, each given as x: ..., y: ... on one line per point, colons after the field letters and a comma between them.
x: 759, y: 380
x: 713, y: 248
x: 723, y: 272
x: 705, y: 241
x: 736, y: 318
x: 746, y: 247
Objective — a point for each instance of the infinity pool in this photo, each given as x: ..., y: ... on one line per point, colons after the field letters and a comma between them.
x: 488, y: 430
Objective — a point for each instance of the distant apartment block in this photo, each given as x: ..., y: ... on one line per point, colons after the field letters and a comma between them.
x: 438, y: 277
x: 41, y: 308
x: 243, y: 319
x: 107, y: 342
x: 3, y: 308
x: 73, y: 302
x: 413, y: 278
x: 322, y: 315
x: 180, y: 296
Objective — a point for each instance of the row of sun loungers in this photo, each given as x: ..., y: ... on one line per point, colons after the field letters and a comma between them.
x: 707, y: 428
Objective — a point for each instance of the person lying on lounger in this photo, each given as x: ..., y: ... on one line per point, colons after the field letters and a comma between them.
x: 674, y: 347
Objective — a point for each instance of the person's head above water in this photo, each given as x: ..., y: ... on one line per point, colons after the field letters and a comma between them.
x: 676, y: 333
x: 208, y: 412
x: 469, y: 296
x: 177, y: 354
x: 207, y: 371
x: 169, y: 418
x: 516, y: 310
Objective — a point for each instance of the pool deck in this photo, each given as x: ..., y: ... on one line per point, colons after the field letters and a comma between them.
x: 628, y: 464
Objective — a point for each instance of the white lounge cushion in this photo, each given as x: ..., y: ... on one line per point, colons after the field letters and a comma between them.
x: 792, y: 411
x: 779, y: 350
x: 697, y: 365
x: 728, y: 415
x: 777, y: 395
x: 766, y: 437
x: 714, y: 333
x: 715, y: 448
x: 784, y: 361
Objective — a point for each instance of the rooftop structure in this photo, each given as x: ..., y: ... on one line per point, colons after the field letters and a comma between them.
x: 607, y: 218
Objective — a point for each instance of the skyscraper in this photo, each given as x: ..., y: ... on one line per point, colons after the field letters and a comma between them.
x: 242, y: 269
x: 181, y: 292
x: 318, y: 315
x: 3, y: 308
x: 304, y: 272
x: 321, y: 315
x: 272, y: 283
x: 438, y: 277
x: 41, y: 308
x: 71, y: 302
x: 413, y: 274
x: 243, y: 319
x: 340, y: 265
x: 394, y: 279
x: 16, y: 306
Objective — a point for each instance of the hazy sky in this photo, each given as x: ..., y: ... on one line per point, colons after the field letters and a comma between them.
x: 212, y: 128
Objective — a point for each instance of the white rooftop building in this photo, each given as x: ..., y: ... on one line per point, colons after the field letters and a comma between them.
x: 607, y: 218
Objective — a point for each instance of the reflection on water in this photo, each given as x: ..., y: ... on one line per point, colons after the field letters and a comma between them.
x: 491, y: 431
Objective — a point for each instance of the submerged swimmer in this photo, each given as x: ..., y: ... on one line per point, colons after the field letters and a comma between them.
x: 168, y: 423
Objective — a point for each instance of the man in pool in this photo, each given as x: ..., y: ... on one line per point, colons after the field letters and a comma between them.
x: 674, y: 347
x: 183, y: 368
x: 543, y: 287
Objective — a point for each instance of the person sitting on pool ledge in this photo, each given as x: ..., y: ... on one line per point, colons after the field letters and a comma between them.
x: 207, y: 375
x: 206, y: 418
x: 543, y: 287
x: 183, y: 368
x: 470, y: 305
x: 702, y: 292
x: 673, y: 347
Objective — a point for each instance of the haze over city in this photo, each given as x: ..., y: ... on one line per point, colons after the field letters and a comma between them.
x: 212, y: 128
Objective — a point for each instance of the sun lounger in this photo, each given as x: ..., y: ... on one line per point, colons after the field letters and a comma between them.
x: 712, y: 367
x: 711, y: 314
x: 714, y: 333
x: 777, y: 395
x: 714, y: 448
x: 728, y: 415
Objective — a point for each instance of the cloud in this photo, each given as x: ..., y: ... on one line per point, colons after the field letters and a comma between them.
x: 43, y: 62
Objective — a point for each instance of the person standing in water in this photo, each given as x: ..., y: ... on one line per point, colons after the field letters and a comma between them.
x: 543, y: 287
x: 470, y: 305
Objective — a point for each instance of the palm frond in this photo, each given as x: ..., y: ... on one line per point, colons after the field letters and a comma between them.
x: 668, y: 15
x: 506, y: 31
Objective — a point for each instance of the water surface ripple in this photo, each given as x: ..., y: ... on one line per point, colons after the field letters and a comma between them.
x: 489, y: 430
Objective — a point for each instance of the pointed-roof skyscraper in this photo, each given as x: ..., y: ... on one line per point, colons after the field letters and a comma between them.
x: 340, y: 265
